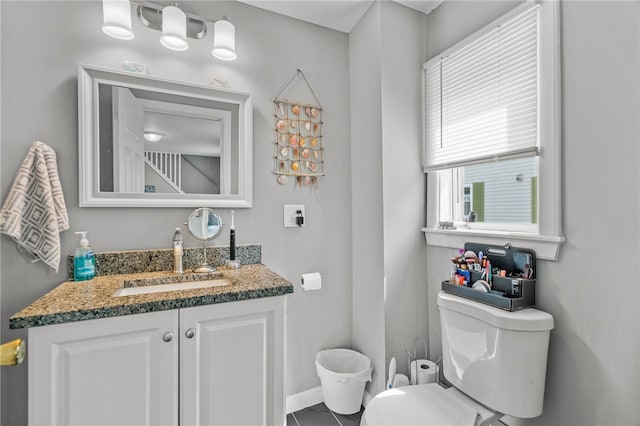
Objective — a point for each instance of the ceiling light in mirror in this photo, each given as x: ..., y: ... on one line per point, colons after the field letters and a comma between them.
x: 153, y: 136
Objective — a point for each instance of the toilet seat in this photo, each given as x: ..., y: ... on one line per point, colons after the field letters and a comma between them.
x: 423, y: 405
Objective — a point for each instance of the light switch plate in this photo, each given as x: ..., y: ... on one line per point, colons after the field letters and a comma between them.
x: 290, y: 214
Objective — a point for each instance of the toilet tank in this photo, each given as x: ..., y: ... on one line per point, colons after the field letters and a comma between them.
x: 497, y: 357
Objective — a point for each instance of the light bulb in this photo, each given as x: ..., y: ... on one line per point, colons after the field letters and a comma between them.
x: 174, y: 29
x: 224, y: 40
x: 116, y: 15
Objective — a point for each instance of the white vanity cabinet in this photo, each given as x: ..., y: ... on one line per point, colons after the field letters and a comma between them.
x: 243, y: 384
x: 108, y: 371
x: 220, y: 364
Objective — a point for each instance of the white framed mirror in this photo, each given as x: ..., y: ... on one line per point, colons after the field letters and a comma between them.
x: 151, y: 142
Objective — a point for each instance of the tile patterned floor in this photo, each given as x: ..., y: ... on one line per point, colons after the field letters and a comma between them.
x: 320, y: 415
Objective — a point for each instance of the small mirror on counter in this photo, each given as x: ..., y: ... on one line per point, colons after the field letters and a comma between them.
x: 204, y: 224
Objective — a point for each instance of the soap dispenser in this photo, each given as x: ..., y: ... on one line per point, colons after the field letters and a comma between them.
x: 84, y: 263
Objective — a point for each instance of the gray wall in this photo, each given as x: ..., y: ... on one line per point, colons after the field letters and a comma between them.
x: 367, y: 229
x: 39, y: 101
x: 592, y: 376
x: 200, y: 174
x: 403, y: 52
x: 387, y: 49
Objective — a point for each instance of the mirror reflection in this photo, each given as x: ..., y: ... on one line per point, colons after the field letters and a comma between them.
x: 204, y: 224
x: 165, y: 144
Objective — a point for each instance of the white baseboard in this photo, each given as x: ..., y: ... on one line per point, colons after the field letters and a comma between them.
x: 313, y: 396
x: 304, y: 399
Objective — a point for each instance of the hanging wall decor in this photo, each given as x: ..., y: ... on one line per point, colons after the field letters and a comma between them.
x: 298, y: 138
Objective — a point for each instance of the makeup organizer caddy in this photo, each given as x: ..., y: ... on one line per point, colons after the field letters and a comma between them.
x: 515, y: 290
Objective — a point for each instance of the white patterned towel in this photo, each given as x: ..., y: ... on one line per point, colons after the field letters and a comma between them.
x: 34, y: 212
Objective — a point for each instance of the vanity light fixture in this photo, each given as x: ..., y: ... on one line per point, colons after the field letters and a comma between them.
x: 153, y: 136
x: 224, y: 40
x: 116, y: 16
x: 176, y: 26
x: 174, y: 29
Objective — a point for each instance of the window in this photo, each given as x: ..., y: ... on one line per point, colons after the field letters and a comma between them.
x: 501, y: 194
x: 491, y: 135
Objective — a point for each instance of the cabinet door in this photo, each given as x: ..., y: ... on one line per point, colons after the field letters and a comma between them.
x: 232, y: 366
x: 112, y: 371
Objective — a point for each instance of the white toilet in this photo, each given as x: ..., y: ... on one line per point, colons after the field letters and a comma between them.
x: 496, y: 361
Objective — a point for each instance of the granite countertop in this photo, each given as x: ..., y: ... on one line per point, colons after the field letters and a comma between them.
x: 84, y: 300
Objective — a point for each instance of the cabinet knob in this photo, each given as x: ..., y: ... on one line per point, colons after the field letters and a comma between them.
x: 167, y: 337
x: 190, y: 333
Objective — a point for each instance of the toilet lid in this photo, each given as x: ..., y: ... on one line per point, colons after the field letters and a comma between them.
x: 424, y: 405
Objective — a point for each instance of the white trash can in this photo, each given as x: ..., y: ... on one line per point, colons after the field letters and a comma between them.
x: 343, y: 374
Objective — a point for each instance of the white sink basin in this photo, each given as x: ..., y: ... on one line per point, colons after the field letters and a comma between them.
x: 159, y: 288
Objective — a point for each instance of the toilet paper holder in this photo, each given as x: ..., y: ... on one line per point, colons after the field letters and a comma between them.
x: 414, y: 357
x: 422, y: 371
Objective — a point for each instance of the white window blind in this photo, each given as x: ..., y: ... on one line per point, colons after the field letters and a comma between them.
x: 481, y: 99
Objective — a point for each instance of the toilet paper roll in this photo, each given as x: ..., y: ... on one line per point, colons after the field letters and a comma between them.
x: 423, y: 371
x: 400, y: 380
x: 311, y: 281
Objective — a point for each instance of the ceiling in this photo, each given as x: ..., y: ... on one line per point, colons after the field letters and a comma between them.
x: 184, y: 134
x: 340, y: 15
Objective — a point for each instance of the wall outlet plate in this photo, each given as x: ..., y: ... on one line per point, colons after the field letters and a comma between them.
x: 290, y: 214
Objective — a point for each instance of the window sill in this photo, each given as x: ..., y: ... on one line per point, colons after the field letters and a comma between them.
x: 547, y: 247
